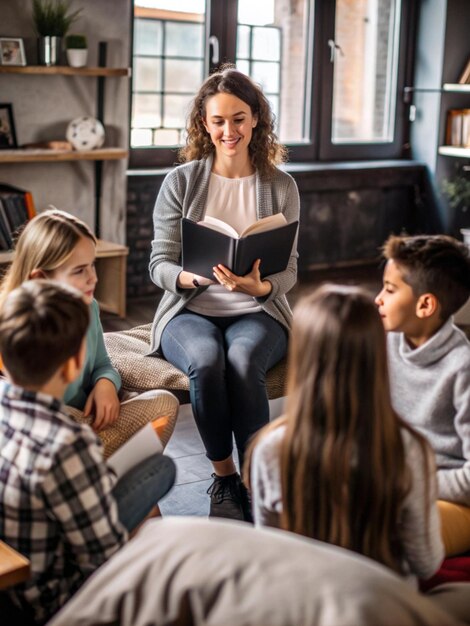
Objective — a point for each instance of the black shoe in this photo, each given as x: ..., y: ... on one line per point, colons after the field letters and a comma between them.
x: 229, y: 498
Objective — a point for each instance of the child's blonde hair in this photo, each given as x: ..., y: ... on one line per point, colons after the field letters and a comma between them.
x: 46, y: 243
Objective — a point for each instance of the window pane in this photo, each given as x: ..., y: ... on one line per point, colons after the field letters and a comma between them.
x: 170, y: 34
x: 280, y: 32
x: 267, y: 75
x: 147, y: 74
x: 176, y: 111
x: 147, y: 37
x: 146, y: 111
x: 255, y: 12
x: 184, y: 40
x: 267, y: 44
x: 183, y: 76
x: 165, y: 137
x: 243, y: 66
x: 141, y: 137
x: 365, y: 70
x: 243, y: 42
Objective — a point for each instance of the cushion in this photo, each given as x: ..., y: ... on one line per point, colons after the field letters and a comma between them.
x: 127, y: 350
x: 134, y: 414
x: 453, y: 569
x: 194, y: 571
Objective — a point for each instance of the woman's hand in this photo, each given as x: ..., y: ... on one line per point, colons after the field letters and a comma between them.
x: 104, y: 403
x: 251, y: 283
x: 186, y: 280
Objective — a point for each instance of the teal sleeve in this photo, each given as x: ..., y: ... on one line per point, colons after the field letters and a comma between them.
x: 97, y: 364
x: 103, y: 367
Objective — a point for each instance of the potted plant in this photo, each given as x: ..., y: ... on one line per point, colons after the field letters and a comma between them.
x: 457, y: 192
x: 52, y: 20
x: 77, y: 50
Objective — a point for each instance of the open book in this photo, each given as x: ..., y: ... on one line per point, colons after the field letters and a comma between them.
x: 143, y: 444
x: 208, y: 243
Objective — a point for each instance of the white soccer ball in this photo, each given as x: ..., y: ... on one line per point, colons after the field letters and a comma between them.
x: 85, y: 133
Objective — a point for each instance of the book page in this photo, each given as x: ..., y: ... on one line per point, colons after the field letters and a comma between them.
x: 264, y: 224
x: 219, y: 225
x: 143, y: 444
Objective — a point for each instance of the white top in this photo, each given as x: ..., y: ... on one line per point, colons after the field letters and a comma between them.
x: 423, y: 552
x: 232, y: 200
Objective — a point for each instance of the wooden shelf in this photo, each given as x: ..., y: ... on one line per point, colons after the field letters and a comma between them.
x: 454, y: 151
x: 65, y: 70
x: 36, y: 156
x: 111, y: 270
x: 456, y: 88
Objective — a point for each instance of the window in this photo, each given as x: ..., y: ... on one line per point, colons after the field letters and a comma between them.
x: 333, y: 71
x: 363, y: 79
x: 168, y: 68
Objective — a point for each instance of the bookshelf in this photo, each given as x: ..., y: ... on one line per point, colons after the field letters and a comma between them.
x: 111, y: 261
x: 37, y: 156
x: 65, y: 70
x: 111, y: 257
x: 455, y: 151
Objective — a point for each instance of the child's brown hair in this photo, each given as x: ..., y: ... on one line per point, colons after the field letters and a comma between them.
x: 42, y: 325
x: 436, y: 264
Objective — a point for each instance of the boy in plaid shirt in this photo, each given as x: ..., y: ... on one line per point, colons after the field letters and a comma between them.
x: 56, y: 501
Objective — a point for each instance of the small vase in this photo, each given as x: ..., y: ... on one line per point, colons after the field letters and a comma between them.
x: 49, y: 50
x: 77, y: 58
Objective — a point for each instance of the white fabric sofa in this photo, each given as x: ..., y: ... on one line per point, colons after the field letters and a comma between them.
x: 199, y: 572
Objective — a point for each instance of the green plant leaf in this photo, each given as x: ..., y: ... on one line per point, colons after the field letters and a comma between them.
x: 53, y: 18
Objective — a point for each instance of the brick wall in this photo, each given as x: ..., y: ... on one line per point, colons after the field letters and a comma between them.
x: 141, y: 195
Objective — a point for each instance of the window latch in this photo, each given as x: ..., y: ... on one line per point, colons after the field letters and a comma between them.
x: 333, y: 47
x: 214, y: 42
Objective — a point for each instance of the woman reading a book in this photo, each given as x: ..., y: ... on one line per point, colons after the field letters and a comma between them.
x: 225, y: 331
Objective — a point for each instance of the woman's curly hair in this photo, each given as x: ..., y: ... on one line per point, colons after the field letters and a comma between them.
x: 265, y: 150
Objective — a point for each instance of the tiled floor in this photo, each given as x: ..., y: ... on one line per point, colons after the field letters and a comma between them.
x: 189, y: 497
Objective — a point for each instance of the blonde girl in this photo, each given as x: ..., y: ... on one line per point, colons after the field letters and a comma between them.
x: 58, y: 246
x: 341, y: 466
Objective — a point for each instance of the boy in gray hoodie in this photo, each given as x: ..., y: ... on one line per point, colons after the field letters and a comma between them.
x: 426, y: 280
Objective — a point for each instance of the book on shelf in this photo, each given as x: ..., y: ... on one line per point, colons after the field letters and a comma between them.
x: 16, y: 208
x: 6, y: 242
x: 464, y: 78
x: 213, y: 241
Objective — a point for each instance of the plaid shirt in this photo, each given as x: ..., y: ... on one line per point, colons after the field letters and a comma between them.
x: 56, y: 505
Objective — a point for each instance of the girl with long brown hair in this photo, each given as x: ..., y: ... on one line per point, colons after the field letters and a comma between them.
x: 341, y: 466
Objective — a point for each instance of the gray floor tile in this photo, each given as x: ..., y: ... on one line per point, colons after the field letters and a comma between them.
x: 193, y: 468
x: 188, y: 499
x: 185, y: 440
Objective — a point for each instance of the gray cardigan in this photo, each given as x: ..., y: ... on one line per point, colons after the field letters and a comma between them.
x: 184, y: 194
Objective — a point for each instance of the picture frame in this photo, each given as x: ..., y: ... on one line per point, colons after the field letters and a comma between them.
x: 7, y: 128
x: 12, y: 51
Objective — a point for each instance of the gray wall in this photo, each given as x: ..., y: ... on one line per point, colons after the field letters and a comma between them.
x: 44, y: 105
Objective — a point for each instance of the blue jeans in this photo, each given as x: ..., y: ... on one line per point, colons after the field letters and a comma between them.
x: 226, y: 360
x: 139, y: 490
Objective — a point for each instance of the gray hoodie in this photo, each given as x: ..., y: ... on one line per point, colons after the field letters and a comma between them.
x: 430, y: 388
